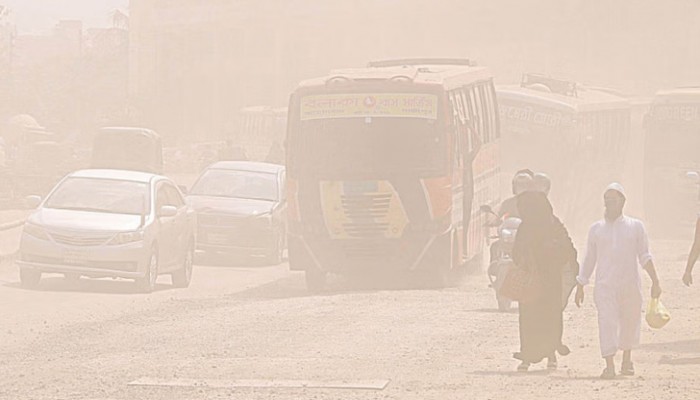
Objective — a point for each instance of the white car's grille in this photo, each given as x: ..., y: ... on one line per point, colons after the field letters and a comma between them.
x: 80, y: 239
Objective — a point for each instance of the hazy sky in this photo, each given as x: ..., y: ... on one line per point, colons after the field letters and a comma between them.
x: 39, y: 16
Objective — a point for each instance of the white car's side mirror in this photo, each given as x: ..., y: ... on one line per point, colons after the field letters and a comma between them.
x: 32, y: 201
x: 694, y: 176
x: 167, y: 212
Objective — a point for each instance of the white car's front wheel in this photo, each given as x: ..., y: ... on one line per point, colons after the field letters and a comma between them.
x: 29, y: 278
x: 147, y: 284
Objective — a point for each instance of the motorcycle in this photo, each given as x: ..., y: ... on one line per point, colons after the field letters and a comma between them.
x: 501, y: 260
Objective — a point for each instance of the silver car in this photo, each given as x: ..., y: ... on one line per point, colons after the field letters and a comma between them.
x: 110, y: 223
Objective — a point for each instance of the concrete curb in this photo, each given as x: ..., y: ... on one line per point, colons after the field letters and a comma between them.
x: 8, y: 259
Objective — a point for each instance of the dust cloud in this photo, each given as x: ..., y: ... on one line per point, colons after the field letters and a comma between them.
x: 336, y: 194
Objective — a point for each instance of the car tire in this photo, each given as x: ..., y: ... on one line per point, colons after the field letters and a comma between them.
x: 315, y: 280
x: 438, y: 275
x: 276, y: 253
x: 147, y: 284
x: 29, y: 278
x: 182, y: 277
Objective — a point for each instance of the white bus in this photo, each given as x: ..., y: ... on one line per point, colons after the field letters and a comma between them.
x: 672, y: 161
x: 574, y: 133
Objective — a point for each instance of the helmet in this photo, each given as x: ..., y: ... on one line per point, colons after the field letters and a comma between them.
x: 541, y: 183
x: 522, y: 182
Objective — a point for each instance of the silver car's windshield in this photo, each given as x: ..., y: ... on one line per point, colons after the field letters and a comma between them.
x: 100, y: 195
x: 237, y: 184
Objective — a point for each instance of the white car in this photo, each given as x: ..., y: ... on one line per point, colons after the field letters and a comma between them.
x: 110, y: 223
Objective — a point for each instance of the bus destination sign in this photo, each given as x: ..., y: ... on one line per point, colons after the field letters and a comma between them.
x: 676, y: 112
x: 351, y: 105
x: 528, y: 114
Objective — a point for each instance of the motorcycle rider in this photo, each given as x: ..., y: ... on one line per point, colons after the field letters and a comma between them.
x: 522, y: 181
x: 541, y: 183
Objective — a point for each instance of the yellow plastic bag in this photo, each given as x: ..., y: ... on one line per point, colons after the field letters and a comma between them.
x: 657, y: 315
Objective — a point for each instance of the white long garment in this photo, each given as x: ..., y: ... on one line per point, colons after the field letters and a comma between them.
x: 617, y: 251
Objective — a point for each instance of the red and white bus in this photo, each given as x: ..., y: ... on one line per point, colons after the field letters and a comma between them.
x: 383, y: 160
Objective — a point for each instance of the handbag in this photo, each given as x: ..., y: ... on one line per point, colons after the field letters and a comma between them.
x: 657, y: 315
x: 522, y: 283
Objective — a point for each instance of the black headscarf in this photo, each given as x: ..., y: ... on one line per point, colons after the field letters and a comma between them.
x: 541, y: 235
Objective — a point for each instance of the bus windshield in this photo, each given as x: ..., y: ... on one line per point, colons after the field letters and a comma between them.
x: 371, y: 145
x: 368, y: 134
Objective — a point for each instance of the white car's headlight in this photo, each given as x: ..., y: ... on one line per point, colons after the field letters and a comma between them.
x: 127, y: 237
x: 35, y: 231
x: 267, y: 217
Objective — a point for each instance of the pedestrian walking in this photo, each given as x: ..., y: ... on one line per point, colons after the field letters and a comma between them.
x: 693, y: 257
x: 617, y: 247
x: 543, y: 247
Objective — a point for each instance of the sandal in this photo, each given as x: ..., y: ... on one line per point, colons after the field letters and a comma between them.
x: 608, y: 373
x: 627, y: 369
x: 523, y: 367
x: 563, y: 350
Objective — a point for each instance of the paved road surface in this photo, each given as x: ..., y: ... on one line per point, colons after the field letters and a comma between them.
x: 234, y: 323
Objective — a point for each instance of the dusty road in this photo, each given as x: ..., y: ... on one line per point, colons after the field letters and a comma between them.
x: 89, y: 341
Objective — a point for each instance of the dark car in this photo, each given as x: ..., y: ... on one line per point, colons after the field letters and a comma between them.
x: 241, y: 209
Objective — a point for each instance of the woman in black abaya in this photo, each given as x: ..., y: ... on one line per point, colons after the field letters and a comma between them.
x: 543, y: 246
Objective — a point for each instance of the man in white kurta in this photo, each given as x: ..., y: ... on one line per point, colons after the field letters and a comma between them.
x: 617, y: 250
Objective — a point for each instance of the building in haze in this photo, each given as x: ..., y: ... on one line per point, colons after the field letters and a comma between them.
x: 194, y: 62
x: 7, y: 36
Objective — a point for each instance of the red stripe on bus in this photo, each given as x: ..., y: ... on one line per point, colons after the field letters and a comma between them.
x: 440, y: 195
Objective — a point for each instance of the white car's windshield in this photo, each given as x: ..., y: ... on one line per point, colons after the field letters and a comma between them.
x: 100, y: 195
x: 237, y: 184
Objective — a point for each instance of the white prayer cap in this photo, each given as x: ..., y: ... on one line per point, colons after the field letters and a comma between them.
x: 616, y: 187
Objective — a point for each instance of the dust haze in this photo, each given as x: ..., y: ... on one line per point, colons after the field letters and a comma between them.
x: 349, y: 199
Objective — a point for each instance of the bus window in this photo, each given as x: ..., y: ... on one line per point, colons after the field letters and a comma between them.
x: 479, y: 107
x: 493, y: 112
x: 460, y: 115
x: 489, y: 112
